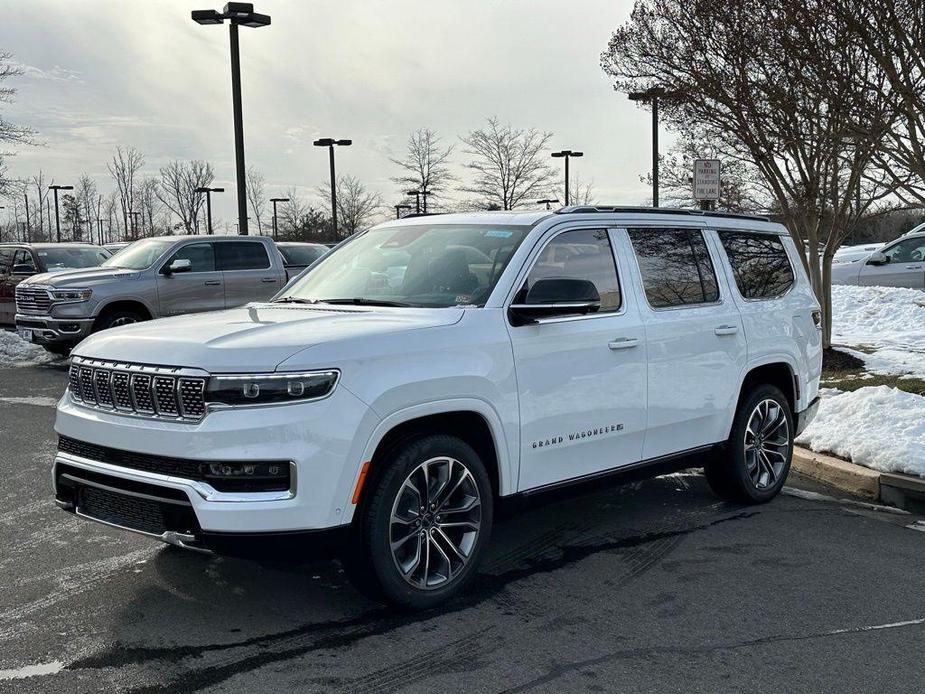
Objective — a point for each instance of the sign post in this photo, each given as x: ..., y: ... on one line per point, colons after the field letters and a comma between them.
x: 706, y: 182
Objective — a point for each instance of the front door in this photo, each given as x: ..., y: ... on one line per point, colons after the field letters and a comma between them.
x: 906, y: 266
x: 581, y: 379
x: 247, y: 271
x: 695, y: 340
x: 7, y: 286
x: 200, y: 289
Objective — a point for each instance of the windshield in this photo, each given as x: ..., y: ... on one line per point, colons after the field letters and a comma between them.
x: 433, y: 266
x: 71, y: 258
x: 139, y: 255
x: 301, y: 255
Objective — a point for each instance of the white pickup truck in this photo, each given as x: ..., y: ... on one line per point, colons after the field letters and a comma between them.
x: 431, y: 366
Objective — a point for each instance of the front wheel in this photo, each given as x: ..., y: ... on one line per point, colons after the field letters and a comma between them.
x: 117, y: 318
x: 421, y: 535
x: 757, y: 458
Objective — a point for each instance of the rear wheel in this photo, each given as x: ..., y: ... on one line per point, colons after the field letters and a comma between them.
x: 421, y: 535
x: 757, y: 458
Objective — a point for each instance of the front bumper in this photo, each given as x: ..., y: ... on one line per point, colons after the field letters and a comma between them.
x: 807, y: 416
x: 48, y: 330
x: 322, y: 441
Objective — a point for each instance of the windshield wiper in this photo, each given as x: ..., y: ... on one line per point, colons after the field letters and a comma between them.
x: 361, y: 301
x: 294, y: 300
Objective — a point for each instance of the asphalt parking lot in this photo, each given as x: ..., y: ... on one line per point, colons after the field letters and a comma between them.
x: 653, y: 586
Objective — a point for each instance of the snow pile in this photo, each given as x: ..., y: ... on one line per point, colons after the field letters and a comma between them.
x: 879, y: 427
x: 890, y: 319
x: 14, y: 351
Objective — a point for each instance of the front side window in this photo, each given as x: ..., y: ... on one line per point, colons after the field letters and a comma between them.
x: 759, y: 262
x: 428, y: 265
x: 907, y: 251
x: 582, y: 254
x: 200, y: 255
x: 6, y: 260
x: 25, y: 260
x: 72, y: 258
x: 242, y: 255
x: 675, y: 266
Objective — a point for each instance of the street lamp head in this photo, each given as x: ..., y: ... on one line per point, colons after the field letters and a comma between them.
x: 324, y: 142
x: 648, y: 94
x: 57, y: 187
x: 563, y: 153
x: 207, y: 17
x: 238, y: 10
x: 412, y: 192
x: 345, y: 143
x: 218, y: 190
x: 255, y: 20
x: 578, y: 154
x: 547, y: 200
x: 279, y: 199
x: 402, y: 207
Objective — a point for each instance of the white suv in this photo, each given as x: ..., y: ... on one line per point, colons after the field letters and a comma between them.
x: 431, y: 366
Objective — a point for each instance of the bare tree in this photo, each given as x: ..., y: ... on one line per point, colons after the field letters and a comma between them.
x: 41, y: 194
x: 425, y: 164
x: 124, y: 168
x: 85, y: 194
x: 256, y: 196
x: 149, y: 204
x: 580, y: 193
x: 111, y: 210
x: 781, y: 84
x: 509, y: 166
x: 177, y: 189
x: 10, y: 133
x: 356, y: 205
x: 299, y: 221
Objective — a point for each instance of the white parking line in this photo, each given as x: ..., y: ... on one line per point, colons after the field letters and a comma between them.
x: 19, y: 673
x: 37, y: 400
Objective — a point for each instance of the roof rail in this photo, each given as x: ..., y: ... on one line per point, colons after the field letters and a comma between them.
x: 412, y: 215
x: 590, y: 209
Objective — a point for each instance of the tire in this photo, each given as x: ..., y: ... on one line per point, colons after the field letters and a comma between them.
x: 423, y: 571
x: 117, y: 318
x: 58, y: 350
x: 756, y: 459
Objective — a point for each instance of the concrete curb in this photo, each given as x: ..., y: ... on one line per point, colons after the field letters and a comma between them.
x: 854, y: 479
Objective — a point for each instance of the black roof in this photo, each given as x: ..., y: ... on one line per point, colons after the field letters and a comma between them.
x: 577, y: 209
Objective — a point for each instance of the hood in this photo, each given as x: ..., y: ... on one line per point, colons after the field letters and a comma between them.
x: 253, y: 338
x: 82, y: 277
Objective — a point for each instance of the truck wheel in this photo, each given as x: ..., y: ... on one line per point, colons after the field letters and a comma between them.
x: 757, y: 455
x: 117, y: 318
x: 58, y: 350
x: 420, y: 536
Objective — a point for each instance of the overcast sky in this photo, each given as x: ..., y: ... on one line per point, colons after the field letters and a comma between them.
x: 106, y: 73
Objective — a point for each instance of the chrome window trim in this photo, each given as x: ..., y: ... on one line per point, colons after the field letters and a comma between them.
x: 202, y: 489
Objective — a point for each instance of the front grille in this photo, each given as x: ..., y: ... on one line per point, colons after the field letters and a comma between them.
x: 196, y: 470
x: 32, y: 299
x: 134, y: 388
x: 128, y: 511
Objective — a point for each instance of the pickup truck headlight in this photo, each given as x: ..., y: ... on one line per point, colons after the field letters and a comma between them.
x: 269, y: 389
x: 70, y: 296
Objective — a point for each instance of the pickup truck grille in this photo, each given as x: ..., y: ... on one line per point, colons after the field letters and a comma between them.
x: 32, y: 299
x: 141, y: 390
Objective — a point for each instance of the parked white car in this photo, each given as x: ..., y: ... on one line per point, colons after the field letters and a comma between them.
x: 897, y: 264
x: 852, y: 254
x: 431, y: 366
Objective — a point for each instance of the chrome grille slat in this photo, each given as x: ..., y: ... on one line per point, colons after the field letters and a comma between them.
x: 140, y: 390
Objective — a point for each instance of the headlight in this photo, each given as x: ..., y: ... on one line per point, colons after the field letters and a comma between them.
x: 70, y: 295
x: 270, y: 389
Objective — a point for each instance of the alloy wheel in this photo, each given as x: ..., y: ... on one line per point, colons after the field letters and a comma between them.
x: 767, y: 442
x: 124, y: 320
x: 435, y: 523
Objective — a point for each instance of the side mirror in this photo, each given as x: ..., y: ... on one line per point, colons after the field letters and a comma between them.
x: 550, y: 298
x: 878, y: 258
x: 179, y: 265
x: 23, y: 269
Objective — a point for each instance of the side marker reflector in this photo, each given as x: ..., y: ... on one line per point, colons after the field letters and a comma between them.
x: 359, y: 487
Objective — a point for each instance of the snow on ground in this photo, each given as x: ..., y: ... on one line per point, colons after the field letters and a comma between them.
x: 888, y: 319
x: 14, y: 351
x: 879, y: 427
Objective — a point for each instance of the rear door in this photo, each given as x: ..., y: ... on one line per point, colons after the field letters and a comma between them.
x: 695, y: 340
x: 195, y: 291
x: 247, y: 271
x: 7, y: 286
x: 906, y: 266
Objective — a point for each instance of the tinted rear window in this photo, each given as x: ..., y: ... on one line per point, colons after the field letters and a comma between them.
x: 759, y: 262
x: 301, y: 255
x: 675, y: 266
x: 242, y: 255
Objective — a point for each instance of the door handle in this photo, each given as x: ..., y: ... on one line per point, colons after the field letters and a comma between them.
x: 213, y: 283
x: 267, y: 280
x: 913, y: 267
x: 726, y: 330
x: 623, y: 343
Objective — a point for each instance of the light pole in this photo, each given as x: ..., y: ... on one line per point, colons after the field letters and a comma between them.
x: 653, y: 94
x: 566, y: 154
x: 399, y: 208
x: 208, y: 191
x: 237, y: 13
x: 330, y: 142
x: 274, y: 201
x: 424, y: 194
x: 417, y: 200
x: 547, y: 202
x: 57, y: 220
